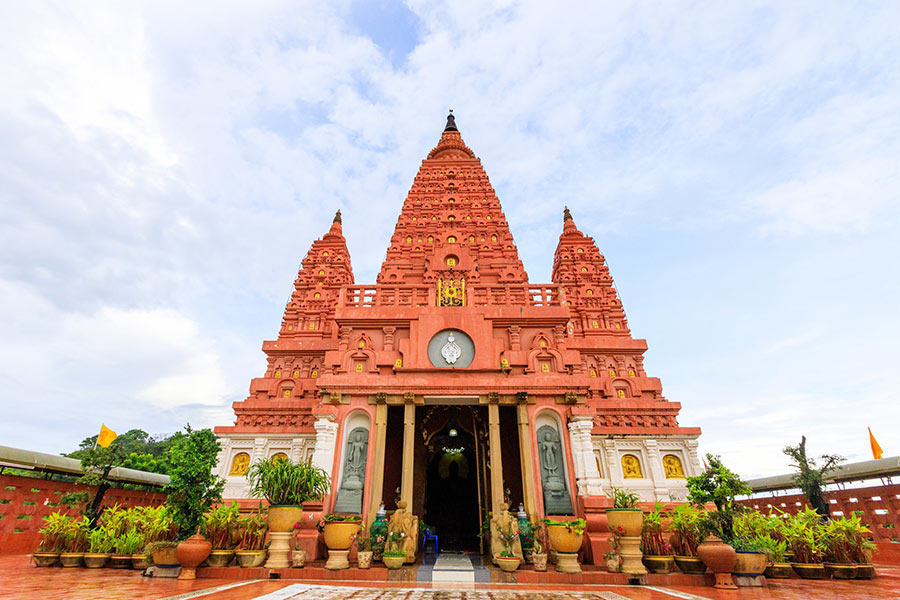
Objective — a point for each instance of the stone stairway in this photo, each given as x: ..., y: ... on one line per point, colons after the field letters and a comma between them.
x: 452, y: 567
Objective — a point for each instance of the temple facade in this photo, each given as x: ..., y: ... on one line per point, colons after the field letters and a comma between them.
x: 455, y: 384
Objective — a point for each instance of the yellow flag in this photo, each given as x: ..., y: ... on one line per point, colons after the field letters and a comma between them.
x: 106, y: 436
x: 876, y: 449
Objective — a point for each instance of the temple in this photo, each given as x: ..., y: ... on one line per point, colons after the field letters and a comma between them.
x: 453, y: 383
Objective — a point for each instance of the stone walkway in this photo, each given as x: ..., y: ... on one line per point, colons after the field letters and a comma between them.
x: 20, y: 580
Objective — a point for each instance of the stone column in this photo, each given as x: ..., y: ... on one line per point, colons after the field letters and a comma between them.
x: 259, y: 450
x: 693, y: 468
x: 657, y: 473
x: 496, y: 458
x: 409, y: 438
x: 378, y: 463
x: 525, y: 459
x: 612, y: 464
x: 326, y: 434
x: 586, y: 473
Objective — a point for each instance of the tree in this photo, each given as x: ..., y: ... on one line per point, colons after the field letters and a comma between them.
x: 96, y: 463
x: 193, y: 488
x: 720, y: 485
x: 809, y: 477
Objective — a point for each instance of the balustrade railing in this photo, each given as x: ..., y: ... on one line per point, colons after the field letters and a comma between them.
x: 360, y: 296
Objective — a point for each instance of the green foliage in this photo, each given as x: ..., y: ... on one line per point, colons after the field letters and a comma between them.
x: 623, y: 498
x: 282, y: 482
x: 54, y: 532
x: 687, y: 531
x: 193, y: 488
x: 250, y: 530
x: 394, y: 540
x: 719, y: 485
x: 653, y: 529
x: 99, y: 541
x: 773, y: 549
x: 810, y: 478
x: 803, y: 533
x: 130, y: 542
x: 575, y: 526
x: 847, y: 540
x: 219, y: 526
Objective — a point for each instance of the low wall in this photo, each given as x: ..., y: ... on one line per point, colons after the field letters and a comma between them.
x: 25, y: 501
x: 878, y: 507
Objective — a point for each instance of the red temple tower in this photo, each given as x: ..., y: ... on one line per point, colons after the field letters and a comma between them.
x: 455, y: 384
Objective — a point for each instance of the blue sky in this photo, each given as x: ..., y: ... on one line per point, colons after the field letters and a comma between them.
x: 164, y: 168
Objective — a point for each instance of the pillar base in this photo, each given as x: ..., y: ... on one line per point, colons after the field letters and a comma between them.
x: 279, y: 551
x: 724, y: 582
x: 188, y: 573
x: 631, y: 555
x: 337, y: 559
x: 567, y: 562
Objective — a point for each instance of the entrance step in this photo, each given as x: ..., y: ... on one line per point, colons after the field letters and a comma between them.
x: 450, y: 567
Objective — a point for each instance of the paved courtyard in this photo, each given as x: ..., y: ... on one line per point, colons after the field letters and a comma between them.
x: 19, y: 579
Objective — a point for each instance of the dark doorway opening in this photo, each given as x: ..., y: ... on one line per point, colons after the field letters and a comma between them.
x: 451, y: 489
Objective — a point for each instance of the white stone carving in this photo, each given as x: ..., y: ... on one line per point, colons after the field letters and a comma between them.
x: 326, y: 435
x: 451, y: 350
x: 587, y: 476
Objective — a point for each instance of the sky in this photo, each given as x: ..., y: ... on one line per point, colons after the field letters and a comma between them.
x: 165, y: 166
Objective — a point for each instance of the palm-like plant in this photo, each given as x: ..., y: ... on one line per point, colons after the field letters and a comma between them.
x: 803, y: 533
x: 219, y: 525
x: 687, y: 533
x: 251, y: 531
x: 282, y: 482
x: 653, y: 541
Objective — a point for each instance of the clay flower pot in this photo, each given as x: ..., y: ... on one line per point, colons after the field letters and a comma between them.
x: 841, y: 571
x: 690, y: 565
x: 191, y: 552
x: 539, y: 561
x: 140, y: 562
x: 298, y: 558
x: 95, y: 561
x: 282, y: 518
x: 563, y: 539
x: 71, y: 559
x: 809, y: 570
x: 508, y: 563
x: 865, y: 571
x: 119, y: 561
x: 250, y: 558
x: 659, y: 564
x: 45, y: 559
x: 364, y: 559
x: 719, y: 558
x: 165, y: 558
x: 339, y: 535
x: 778, y: 571
x: 393, y: 562
x: 629, y: 519
x: 750, y: 564
x: 220, y: 558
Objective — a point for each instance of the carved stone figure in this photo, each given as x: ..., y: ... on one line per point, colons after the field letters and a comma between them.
x: 350, y: 494
x: 504, y: 522
x: 557, y: 500
x: 406, y: 524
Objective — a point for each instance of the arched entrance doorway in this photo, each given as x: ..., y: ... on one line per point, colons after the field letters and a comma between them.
x: 452, y: 488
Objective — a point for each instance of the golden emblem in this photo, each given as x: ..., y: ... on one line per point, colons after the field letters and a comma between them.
x: 451, y: 292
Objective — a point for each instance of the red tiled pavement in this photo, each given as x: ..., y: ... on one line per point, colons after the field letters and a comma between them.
x: 19, y: 579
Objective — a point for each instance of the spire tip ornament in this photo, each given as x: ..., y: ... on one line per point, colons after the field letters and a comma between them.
x: 451, y: 122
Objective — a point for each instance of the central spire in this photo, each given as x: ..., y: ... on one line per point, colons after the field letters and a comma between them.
x: 451, y: 122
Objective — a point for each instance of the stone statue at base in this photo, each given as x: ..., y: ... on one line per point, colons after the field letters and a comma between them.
x: 406, y: 524
x: 503, y: 521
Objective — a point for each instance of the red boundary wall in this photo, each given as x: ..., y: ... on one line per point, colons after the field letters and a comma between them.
x: 878, y: 506
x: 25, y: 501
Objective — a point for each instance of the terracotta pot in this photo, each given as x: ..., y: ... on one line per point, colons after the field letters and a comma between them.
x: 364, y: 559
x: 250, y: 558
x: 220, y: 558
x: 778, y: 571
x: 809, y: 571
x: 71, y: 559
x: 690, y: 565
x: 165, y: 557
x: 298, y: 558
x: 629, y: 519
x: 539, y: 561
x: 719, y: 558
x: 393, y: 562
x: 841, y: 571
x: 563, y: 539
x: 94, y: 560
x: 140, y: 562
x: 282, y: 518
x: 339, y: 535
x: 191, y: 552
x: 659, y: 564
x: 45, y: 559
x: 865, y: 571
x: 508, y: 563
x: 749, y: 564
x: 119, y: 561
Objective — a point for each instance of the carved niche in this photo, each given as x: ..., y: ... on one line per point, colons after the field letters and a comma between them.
x: 350, y: 494
x: 557, y: 500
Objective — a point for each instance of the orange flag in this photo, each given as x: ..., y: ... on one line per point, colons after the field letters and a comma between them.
x: 876, y: 449
x: 106, y: 436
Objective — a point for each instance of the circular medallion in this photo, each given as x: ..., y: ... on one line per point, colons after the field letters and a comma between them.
x: 451, y: 348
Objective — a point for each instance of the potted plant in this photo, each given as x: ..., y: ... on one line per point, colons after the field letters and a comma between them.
x: 686, y: 537
x: 749, y: 528
x: 394, y: 556
x: 162, y: 553
x: 159, y: 529
x: 839, y: 536
x: 364, y: 548
x: 219, y: 524
x: 625, y: 513
x: 776, y: 565
x: 339, y: 533
x: 863, y: 547
x: 53, y: 539
x: 614, y: 556
x: 507, y: 560
x: 656, y: 550
x: 76, y: 543
x: 566, y: 538
x: 251, y: 531
x: 538, y: 546
x: 99, y: 548
x: 130, y: 544
x: 803, y: 532
x: 285, y: 486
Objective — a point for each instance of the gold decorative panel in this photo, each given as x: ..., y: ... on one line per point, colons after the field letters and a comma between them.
x: 631, y: 467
